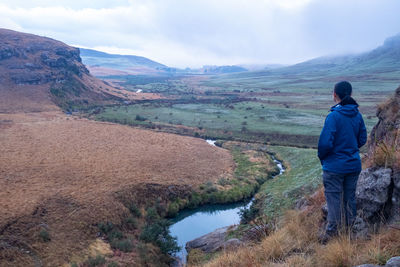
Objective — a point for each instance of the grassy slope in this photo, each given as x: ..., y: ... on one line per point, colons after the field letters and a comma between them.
x: 294, y: 239
x: 302, y: 176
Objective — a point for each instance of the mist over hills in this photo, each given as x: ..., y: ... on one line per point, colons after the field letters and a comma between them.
x: 384, y: 58
x: 101, y: 64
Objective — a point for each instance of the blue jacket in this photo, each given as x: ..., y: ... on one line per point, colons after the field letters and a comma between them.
x: 343, y: 134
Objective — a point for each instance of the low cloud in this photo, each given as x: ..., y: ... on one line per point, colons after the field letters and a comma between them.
x: 195, y: 33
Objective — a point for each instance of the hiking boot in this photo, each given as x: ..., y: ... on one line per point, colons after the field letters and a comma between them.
x: 325, y: 237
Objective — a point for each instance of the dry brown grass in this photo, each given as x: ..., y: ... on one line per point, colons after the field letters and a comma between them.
x: 295, y: 243
x: 339, y: 252
x: 61, y: 173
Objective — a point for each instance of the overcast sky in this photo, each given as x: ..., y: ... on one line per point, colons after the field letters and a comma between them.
x: 186, y: 33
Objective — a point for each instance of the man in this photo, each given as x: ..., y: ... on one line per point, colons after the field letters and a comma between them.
x: 338, y: 150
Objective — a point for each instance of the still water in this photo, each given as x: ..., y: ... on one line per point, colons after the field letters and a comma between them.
x: 191, y: 224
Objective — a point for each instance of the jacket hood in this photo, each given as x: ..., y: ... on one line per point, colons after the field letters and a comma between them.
x: 347, y: 110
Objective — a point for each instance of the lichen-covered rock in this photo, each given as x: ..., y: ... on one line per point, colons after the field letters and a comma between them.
x: 373, y: 191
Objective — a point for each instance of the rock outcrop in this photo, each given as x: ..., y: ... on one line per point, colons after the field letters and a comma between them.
x: 384, y: 141
x: 214, y: 241
x: 36, y: 72
x: 374, y: 189
x: 378, y: 187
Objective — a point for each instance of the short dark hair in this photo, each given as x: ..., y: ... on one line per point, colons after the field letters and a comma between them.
x: 343, y: 89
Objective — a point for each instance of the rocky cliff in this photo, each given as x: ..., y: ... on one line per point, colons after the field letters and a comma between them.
x: 36, y: 72
x: 378, y: 188
x: 384, y: 143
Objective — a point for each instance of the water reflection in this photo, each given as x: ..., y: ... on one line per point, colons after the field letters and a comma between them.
x: 191, y: 224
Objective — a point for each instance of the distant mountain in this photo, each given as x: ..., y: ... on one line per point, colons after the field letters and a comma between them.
x: 36, y: 72
x: 123, y: 63
x: 256, y: 67
x: 104, y: 64
x: 384, y: 58
x: 221, y: 69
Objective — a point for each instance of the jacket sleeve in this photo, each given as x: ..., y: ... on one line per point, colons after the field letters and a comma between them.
x: 362, y: 134
x: 326, y: 139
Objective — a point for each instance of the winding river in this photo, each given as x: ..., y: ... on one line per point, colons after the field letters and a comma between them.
x: 191, y: 224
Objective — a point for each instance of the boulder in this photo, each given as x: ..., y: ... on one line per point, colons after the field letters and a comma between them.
x: 373, y: 191
x: 393, y: 262
x: 213, y: 241
x: 209, y: 242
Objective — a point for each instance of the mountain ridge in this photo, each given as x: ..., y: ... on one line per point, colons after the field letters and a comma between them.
x: 37, y: 72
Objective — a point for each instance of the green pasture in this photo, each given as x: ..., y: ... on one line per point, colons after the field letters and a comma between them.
x: 251, y: 105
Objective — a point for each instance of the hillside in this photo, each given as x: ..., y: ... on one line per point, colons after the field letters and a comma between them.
x: 385, y: 58
x: 63, y: 177
x: 105, y: 64
x: 36, y: 72
x: 94, y: 57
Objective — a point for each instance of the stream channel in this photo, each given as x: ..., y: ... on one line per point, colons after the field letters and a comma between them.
x: 190, y: 224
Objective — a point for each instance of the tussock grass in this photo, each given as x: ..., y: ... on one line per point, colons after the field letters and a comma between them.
x: 295, y: 243
x: 339, y: 252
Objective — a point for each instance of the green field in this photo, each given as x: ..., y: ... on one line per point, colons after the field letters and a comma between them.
x: 284, y: 106
x: 283, y: 111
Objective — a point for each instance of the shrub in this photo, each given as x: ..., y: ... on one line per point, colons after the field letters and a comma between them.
x: 173, y: 208
x: 158, y: 233
x: 135, y: 210
x: 105, y: 227
x: 113, y: 264
x: 115, y: 234
x: 98, y: 260
x: 131, y: 223
x: 151, y: 215
x: 140, y: 118
x: 223, y: 181
x: 210, y: 188
x: 44, y: 235
x: 124, y: 245
x: 195, y: 200
x: 248, y: 214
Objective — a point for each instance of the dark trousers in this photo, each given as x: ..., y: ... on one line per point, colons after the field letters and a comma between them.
x: 340, y: 194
